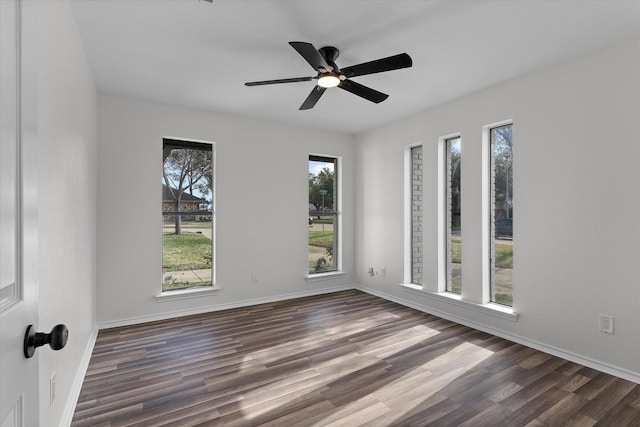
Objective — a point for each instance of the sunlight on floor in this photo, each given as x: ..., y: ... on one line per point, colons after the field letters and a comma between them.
x: 466, y: 355
x: 377, y: 390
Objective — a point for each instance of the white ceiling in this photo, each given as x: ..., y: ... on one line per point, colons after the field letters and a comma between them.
x: 198, y: 54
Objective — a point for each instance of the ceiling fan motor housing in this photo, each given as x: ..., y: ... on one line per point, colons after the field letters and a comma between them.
x: 330, y: 54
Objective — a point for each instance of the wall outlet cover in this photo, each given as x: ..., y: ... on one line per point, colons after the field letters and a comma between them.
x: 606, y: 324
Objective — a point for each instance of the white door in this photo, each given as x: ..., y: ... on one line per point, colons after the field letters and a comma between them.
x: 18, y: 224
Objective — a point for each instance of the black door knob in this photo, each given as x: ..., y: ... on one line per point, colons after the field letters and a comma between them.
x: 56, y: 339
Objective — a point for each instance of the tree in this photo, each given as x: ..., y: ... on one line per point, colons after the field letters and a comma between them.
x: 455, y: 158
x: 187, y: 169
x: 503, y: 170
x: 323, y: 180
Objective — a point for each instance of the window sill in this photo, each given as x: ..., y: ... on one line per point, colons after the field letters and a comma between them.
x: 496, y: 310
x: 186, y: 293
x: 324, y: 276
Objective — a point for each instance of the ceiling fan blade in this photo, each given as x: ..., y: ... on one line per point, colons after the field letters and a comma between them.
x: 271, y: 82
x: 313, y: 97
x: 363, y: 91
x: 311, y: 55
x: 379, y: 65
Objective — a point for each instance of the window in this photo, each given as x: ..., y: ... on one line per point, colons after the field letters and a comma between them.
x: 416, y: 215
x: 323, y: 214
x: 187, y: 215
x: 501, y: 215
x: 453, y: 241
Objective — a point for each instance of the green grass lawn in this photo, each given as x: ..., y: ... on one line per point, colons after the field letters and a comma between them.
x: 456, y: 251
x: 504, y: 254
x: 504, y: 259
x: 323, y: 239
x: 504, y: 299
x: 322, y: 220
x: 187, y: 251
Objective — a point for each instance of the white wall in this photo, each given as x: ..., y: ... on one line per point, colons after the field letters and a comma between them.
x: 576, y: 207
x: 262, y: 207
x: 67, y: 178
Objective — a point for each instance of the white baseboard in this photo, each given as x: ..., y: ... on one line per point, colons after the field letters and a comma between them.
x: 555, y: 351
x: 76, y: 387
x: 217, y: 307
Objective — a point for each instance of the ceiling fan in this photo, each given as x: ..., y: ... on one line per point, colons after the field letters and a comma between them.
x: 330, y: 75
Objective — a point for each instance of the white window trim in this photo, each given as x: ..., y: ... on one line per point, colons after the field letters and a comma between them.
x: 310, y: 277
x: 408, y: 212
x: 443, y: 206
x: 493, y: 309
x: 195, y: 292
x: 318, y: 277
x: 486, y: 209
x: 439, y: 293
x: 213, y: 289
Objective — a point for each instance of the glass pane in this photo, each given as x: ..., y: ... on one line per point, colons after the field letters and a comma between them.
x: 187, y: 218
x: 416, y: 215
x: 322, y: 215
x: 454, y: 236
x: 502, y: 215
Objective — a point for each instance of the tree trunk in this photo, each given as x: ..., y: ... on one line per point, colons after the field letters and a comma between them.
x: 178, y: 218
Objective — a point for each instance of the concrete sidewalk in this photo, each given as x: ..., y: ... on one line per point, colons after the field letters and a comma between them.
x: 187, y: 276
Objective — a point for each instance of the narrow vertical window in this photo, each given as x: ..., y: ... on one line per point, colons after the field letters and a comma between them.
x: 453, y: 148
x: 501, y: 214
x: 416, y: 215
x: 323, y: 214
x: 187, y: 215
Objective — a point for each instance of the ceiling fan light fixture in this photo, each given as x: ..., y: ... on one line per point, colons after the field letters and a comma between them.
x: 329, y: 80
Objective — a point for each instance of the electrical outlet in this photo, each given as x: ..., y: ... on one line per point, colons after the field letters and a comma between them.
x: 254, y: 277
x: 606, y: 324
x: 52, y: 388
x: 383, y: 271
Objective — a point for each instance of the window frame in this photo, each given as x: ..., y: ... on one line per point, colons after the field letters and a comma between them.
x: 415, y: 198
x: 337, y: 218
x: 170, y: 143
x: 474, y: 294
x: 491, y: 268
x: 445, y: 141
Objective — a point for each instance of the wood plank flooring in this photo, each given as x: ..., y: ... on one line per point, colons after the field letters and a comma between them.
x: 342, y: 359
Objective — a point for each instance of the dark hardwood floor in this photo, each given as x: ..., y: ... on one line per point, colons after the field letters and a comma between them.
x: 343, y: 359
